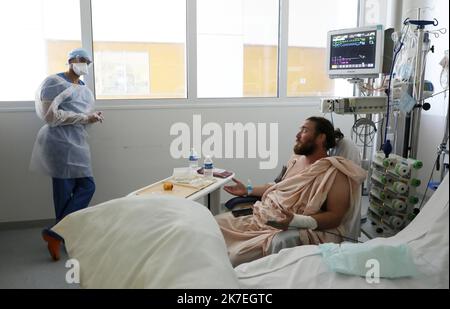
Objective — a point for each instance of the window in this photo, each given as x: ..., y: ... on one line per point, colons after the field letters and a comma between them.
x: 122, y: 74
x: 374, y: 12
x: 36, y: 37
x: 237, y: 48
x: 309, y: 22
x: 139, y: 48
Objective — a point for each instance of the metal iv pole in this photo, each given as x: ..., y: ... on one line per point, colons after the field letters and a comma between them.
x: 412, y: 121
x: 442, y: 149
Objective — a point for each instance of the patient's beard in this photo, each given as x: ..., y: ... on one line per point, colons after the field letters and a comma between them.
x: 305, y: 149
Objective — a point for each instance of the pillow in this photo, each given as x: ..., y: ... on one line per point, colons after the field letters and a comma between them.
x: 148, y: 242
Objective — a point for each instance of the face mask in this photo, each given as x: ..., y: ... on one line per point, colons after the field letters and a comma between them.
x: 80, y: 68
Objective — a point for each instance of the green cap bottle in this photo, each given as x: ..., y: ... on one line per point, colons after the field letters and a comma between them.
x: 413, y: 200
x: 416, y: 164
x: 415, y: 182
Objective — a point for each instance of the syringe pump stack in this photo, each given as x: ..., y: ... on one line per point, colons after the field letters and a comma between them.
x: 393, y: 196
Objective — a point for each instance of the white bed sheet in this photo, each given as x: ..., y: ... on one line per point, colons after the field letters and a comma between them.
x: 148, y: 242
x: 303, y: 266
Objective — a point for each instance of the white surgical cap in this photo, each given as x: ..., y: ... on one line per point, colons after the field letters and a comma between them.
x: 79, y: 53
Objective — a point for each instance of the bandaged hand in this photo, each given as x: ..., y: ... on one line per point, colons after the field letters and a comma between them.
x: 294, y: 220
x: 284, y: 223
x: 303, y: 222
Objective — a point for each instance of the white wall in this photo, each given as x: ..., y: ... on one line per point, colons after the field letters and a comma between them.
x: 439, y: 103
x: 131, y: 149
x: 430, y: 137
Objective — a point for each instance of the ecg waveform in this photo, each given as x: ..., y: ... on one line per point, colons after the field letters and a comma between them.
x: 351, y: 40
x: 353, y: 50
x: 350, y: 43
x: 347, y: 60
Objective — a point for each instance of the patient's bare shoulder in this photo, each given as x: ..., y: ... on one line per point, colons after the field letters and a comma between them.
x: 341, y: 178
x: 339, y: 195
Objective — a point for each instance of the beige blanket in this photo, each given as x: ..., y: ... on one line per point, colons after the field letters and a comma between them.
x: 302, y: 193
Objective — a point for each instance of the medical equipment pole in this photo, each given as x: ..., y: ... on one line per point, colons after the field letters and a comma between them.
x: 365, y: 158
x: 442, y: 150
x: 412, y: 128
x: 422, y: 48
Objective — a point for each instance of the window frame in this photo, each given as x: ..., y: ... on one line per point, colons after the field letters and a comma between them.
x: 192, y: 101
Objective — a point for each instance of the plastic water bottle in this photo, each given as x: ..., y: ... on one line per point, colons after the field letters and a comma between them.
x: 193, y: 160
x: 208, y: 168
x: 249, y: 187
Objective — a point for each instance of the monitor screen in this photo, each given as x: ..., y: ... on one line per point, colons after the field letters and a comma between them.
x: 355, y: 52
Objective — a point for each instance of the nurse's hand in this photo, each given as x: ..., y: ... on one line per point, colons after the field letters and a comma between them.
x: 95, y: 117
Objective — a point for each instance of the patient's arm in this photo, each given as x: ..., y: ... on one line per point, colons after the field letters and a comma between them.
x: 259, y: 190
x: 335, y: 208
x: 336, y: 205
x: 239, y: 189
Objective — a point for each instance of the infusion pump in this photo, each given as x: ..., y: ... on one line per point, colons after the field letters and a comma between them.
x: 354, y: 105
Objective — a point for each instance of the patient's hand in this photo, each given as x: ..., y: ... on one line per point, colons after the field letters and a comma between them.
x: 238, y: 189
x: 284, y: 223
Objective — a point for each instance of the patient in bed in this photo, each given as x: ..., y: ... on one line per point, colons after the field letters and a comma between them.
x: 317, y: 194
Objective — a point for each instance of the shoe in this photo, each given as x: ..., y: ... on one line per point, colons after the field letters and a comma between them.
x: 53, y: 244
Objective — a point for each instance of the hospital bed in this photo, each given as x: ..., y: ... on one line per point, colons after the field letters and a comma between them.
x: 303, y: 267
x: 166, y: 242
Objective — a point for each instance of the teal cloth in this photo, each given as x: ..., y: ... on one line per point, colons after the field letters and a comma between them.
x: 351, y: 259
